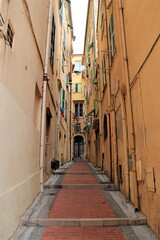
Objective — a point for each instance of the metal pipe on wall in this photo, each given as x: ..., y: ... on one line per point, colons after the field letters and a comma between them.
x: 131, y: 139
x: 43, y: 113
x: 70, y: 84
x: 110, y: 114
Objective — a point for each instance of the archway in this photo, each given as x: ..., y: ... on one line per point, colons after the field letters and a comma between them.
x: 78, y: 146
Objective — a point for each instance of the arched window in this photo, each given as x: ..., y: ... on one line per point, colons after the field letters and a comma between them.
x: 105, y: 129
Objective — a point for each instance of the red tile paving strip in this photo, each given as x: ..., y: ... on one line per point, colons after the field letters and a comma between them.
x: 81, y: 203
x: 79, y: 179
x: 79, y: 167
x: 83, y: 233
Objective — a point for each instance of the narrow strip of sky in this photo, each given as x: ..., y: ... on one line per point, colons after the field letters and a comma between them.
x: 79, y: 13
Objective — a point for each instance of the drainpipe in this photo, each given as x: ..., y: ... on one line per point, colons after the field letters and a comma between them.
x: 129, y: 110
x: 70, y: 126
x: 109, y: 98
x: 45, y: 80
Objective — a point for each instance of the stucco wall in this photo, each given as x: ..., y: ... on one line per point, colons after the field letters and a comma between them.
x: 19, y: 172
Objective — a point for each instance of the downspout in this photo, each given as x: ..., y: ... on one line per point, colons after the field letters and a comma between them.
x: 94, y: 34
x: 129, y: 110
x: 109, y: 100
x: 43, y: 114
x: 70, y: 126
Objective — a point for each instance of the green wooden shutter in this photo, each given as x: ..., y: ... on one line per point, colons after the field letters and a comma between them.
x: 61, y: 14
x: 67, y: 80
x: 104, y: 70
x: 74, y: 88
x: 52, y: 42
x: 63, y: 63
x: 62, y: 100
x: 79, y: 87
x: 64, y: 39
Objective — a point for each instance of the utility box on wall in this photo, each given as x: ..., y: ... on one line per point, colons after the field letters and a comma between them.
x: 150, y: 178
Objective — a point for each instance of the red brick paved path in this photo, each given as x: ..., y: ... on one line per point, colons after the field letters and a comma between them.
x: 81, y: 203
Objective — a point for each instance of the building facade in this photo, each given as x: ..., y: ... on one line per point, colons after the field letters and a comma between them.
x: 126, y: 76
x: 78, y: 109
x: 26, y: 62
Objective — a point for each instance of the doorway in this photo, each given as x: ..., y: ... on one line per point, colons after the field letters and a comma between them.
x: 78, y: 146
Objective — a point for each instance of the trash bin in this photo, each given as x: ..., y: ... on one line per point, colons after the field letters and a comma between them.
x: 54, y: 164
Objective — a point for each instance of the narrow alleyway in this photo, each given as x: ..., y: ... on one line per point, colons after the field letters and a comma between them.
x: 79, y: 202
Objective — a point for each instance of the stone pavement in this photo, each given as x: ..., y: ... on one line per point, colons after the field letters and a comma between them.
x: 79, y: 202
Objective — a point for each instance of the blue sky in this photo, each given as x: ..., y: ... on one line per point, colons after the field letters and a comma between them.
x: 79, y: 12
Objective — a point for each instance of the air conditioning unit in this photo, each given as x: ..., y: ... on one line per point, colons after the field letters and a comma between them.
x: 1, y: 20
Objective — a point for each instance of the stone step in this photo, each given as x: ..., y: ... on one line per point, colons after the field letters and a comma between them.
x: 79, y: 173
x: 109, y: 187
x: 83, y: 222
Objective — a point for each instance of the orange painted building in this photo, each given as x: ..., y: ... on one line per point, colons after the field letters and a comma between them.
x: 124, y: 57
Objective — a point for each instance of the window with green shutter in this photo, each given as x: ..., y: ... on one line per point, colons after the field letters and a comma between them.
x: 63, y: 61
x: 90, y: 46
x: 102, y: 21
x: 61, y: 10
x: 52, y: 42
x: 87, y: 74
x: 95, y: 106
x: 67, y: 80
x: 77, y: 88
x: 64, y: 39
x: 104, y: 75
x: 88, y: 59
x: 62, y: 102
x: 87, y: 97
x: 112, y: 36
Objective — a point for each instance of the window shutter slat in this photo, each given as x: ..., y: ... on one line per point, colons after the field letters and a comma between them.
x: 79, y: 87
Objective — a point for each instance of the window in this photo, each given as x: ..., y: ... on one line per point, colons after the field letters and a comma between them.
x: 88, y: 59
x: 112, y: 36
x: 104, y: 76
x: 52, y: 42
x: 63, y: 62
x: 10, y: 35
x: 62, y: 102
x: 78, y: 110
x: 61, y: 10
x: 77, y: 127
x: 87, y: 97
x: 90, y: 46
x: 67, y: 81
x: 77, y: 88
x: 77, y: 66
x: 102, y: 21
x: 105, y: 129
x: 64, y: 40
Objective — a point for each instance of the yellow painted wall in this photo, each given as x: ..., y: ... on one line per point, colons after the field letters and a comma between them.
x: 78, y: 97
x: 21, y: 74
x: 142, y: 41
